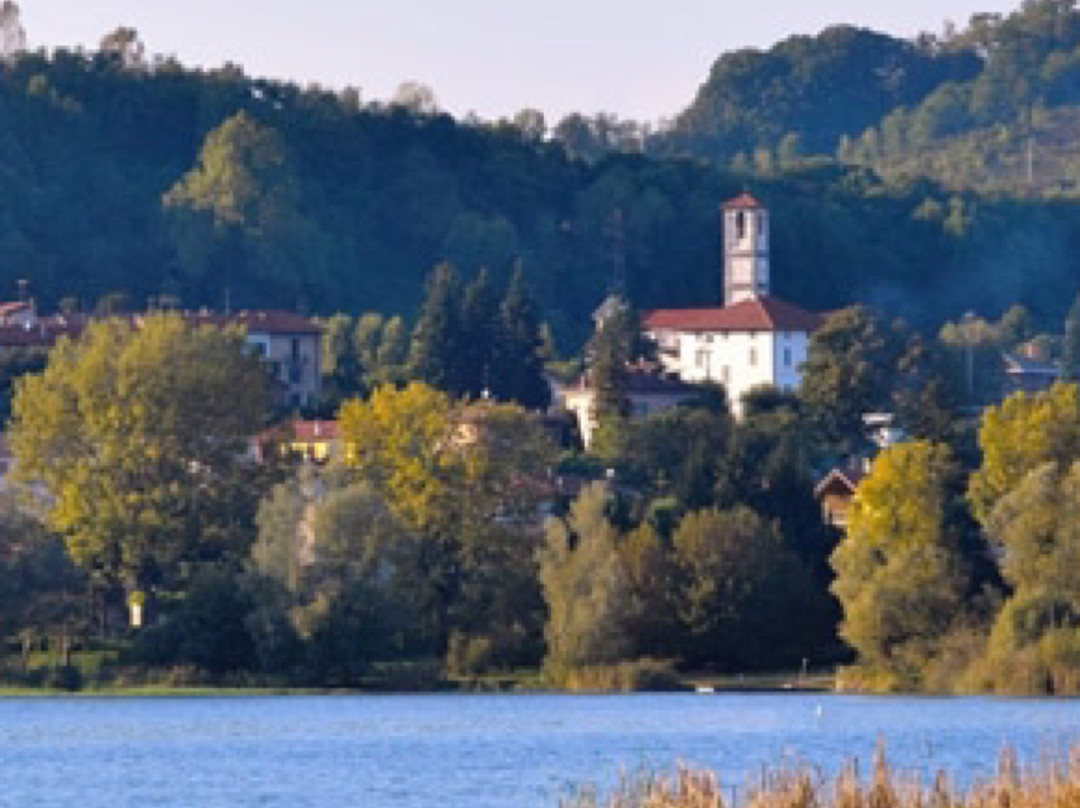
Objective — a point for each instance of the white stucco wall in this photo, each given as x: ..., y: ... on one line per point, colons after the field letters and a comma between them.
x: 740, y: 360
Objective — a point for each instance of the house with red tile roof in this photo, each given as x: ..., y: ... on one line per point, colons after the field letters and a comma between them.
x: 290, y: 343
x: 755, y: 339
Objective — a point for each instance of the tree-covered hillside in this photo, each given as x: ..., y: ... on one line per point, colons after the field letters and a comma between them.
x: 991, y: 107
x: 809, y: 91
x: 121, y: 172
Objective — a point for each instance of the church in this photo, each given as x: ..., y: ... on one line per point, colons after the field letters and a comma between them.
x: 755, y: 339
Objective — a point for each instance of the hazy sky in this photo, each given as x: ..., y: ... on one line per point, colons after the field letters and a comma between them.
x: 640, y: 59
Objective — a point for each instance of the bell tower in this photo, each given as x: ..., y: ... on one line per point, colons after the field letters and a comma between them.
x: 746, y: 250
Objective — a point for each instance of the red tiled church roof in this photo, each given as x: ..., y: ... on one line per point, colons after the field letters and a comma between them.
x: 757, y: 314
x: 744, y: 200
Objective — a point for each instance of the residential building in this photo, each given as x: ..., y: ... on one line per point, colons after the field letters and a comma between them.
x: 837, y: 489
x: 647, y: 392
x: 1027, y: 372
x: 755, y: 340
x: 314, y: 441
x: 290, y: 343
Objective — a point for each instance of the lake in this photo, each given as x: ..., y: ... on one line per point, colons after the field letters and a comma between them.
x: 475, y: 751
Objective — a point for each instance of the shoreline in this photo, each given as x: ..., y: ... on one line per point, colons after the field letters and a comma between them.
x: 509, y: 684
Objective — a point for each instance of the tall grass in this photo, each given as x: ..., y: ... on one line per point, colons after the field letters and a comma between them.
x: 1047, y: 786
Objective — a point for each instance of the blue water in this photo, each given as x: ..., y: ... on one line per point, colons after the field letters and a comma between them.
x: 467, y: 751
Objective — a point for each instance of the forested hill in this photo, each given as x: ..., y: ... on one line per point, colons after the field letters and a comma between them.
x: 990, y: 107
x: 808, y: 92
x: 123, y: 173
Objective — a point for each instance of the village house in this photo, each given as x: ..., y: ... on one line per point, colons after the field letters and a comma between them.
x: 316, y: 441
x: 754, y: 340
x: 290, y: 343
x: 836, y: 491
x: 647, y: 393
x: 1028, y: 372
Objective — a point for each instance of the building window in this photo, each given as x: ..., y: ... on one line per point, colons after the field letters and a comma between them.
x: 753, y: 357
x: 740, y: 225
x: 725, y: 374
x: 701, y: 359
x: 787, y: 357
x: 296, y: 348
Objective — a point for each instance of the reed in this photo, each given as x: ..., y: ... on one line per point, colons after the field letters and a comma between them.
x: 1049, y: 785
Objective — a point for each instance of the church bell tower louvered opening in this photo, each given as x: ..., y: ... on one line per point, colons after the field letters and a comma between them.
x: 746, y: 250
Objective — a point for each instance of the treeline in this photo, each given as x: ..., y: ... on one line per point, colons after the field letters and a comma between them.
x: 454, y: 536
x: 126, y: 172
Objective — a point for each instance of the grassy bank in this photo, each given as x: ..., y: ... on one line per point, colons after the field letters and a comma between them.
x: 1048, y: 786
x: 103, y: 671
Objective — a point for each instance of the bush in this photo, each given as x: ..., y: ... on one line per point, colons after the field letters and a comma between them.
x: 640, y: 675
x: 65, y: 677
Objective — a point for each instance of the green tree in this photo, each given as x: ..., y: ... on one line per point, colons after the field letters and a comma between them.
x: 236, y: 218
x: 678, y: 452
x: 586, y: 587
x: 1036, y: 528
x: 482, y: 336
x: 617, y: 342
x: 437, y: 348
x: 520, y: 359
x: 368, y: 338
x: 138, y: 434
x: 926, y: 391
x: 899, y: 575
x: 341, y: 364
x: 747, y: 601
x: 393, y: 353
x: 846, y: 375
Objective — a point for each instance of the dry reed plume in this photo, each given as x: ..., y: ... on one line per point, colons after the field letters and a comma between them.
x: 1047, y: 786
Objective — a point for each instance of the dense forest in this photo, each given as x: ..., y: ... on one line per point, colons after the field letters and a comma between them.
x: 123, y: 171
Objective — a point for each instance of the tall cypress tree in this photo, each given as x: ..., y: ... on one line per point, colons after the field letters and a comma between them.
x: 435, y: 352
x: 481, y: 328
x: 519, y: 353
x: 1070, y: 346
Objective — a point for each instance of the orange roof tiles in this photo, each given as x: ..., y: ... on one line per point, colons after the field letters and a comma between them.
x: 745, y: 200
x: 758, y: 314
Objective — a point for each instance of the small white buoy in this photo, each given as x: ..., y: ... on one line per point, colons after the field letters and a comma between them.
x: 819, y: 711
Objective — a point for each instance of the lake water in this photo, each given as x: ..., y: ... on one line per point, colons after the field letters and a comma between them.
x: 470, y: 751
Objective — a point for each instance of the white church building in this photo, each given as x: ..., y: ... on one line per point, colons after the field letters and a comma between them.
x: 755, y: 339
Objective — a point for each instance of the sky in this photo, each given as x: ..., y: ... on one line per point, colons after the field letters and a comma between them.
x: 640, y: 59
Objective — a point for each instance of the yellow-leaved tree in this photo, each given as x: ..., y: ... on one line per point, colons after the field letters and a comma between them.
x: 899, y: 576
x: 1016, y: 437
x: 137, y: 431
x: 466, y: 481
